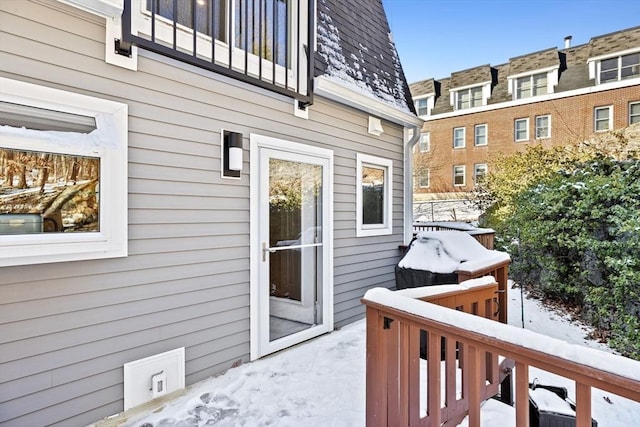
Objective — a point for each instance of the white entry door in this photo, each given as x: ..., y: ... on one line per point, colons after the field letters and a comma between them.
x: 291, y: 283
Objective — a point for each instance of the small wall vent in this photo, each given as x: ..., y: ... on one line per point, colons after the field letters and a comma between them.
x: 152, y: 377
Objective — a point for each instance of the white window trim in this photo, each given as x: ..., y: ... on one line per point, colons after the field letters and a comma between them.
x: 464, y: 138
x: 486, y: 135
x: 365, y: 230
x: 535, y: 121
x: 629, y: 118
x: 475, y: 171
x: 454, y: 94
x: 428, y: 136
x: 552, y: 81
x: 141, y: 25
x: 428, y: 175
x: 464, y: 175
x: 431, y: 101
x: 610, y: 125
x: 108, y: 142
x: 595, y: 65
x: 515, y: 129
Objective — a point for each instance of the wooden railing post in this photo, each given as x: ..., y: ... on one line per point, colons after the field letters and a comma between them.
x: 583, y: 405
x: 476, y: 379
x: 522, y: 394
x: 376, y: 385
x: 433, y: 372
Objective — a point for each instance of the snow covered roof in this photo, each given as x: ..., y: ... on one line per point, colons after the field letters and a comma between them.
x: 446, y: 251
x: 355, y: 49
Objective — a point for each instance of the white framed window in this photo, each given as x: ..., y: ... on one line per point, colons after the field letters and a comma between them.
x: 480, y: 173
x: 521, y: 129
x: 458, y: 137
x: 468, y: 98
x: 619, y: 68
x: 603, y: 118
x: 634, y: 112
x: 480, y: 135
x: 422, y: 106
x: 65, y: 199
x: 424, y: 178
x: 261, y: 33
x: 459, y: 175
x: 533, y: 85
x: 543, y: 127
x: 425, y: 142
x: 373, y: 195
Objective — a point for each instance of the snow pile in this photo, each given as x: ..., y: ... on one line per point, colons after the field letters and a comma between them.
x: 445, y: 252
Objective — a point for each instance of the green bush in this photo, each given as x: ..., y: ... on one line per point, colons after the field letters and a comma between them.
x: 574, y: 235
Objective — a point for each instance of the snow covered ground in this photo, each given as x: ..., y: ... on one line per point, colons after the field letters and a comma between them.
x: 322, y: 383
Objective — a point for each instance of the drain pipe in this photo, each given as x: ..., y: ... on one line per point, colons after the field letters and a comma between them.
x: 411, y: 136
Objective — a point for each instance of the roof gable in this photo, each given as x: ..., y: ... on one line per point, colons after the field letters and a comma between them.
x: 355, y: 48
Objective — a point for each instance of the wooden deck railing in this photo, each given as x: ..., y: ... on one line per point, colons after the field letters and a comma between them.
x: 499, y: 270
x: 396, y: 395
x: 485, y: 236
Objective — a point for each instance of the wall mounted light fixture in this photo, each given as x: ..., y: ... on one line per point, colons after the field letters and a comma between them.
x: 231, y: 154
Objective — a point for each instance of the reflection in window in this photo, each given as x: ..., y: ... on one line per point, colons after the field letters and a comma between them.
x: 620, y: 68
x: 203, y: 15
x: 533, y: 85
x: 261, y: 28
x: 602, y: 118
x: 48, y: 192
x: 458, y: 175
x: 295, y: 210
x: 372, y: 195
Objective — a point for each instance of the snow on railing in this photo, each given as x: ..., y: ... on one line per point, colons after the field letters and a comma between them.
x: 471, y: 344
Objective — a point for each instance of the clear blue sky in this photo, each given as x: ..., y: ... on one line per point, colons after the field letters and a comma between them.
x: 437, y: 37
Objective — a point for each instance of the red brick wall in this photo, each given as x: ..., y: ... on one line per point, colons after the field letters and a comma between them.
x: 572, y: 120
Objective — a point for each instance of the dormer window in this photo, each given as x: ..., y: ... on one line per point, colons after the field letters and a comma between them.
x: 421, y: 107
x: 532, y: 85
x: 619, y: 68
x: 468, y: 98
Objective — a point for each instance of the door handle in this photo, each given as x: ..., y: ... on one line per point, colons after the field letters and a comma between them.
x: 266, y: 249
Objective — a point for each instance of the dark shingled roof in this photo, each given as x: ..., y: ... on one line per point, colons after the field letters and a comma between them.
x: 471, y: 76
x: 424, y: 87
x: 615, y: 42
x: 572, y: 63
x: 534, y: 61
x: 354, y: 45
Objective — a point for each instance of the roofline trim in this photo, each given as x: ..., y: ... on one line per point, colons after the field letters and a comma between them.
x: 335, y: 91
x: 457, y: 88
x: 533, y: 72
x: 106, y: 8
x: 548, y: 97
x: 613, y: 54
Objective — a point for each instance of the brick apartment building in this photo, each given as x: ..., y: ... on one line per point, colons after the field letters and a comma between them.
x: 549, y: 97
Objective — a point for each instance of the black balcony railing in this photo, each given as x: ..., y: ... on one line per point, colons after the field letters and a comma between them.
x: 266, y: 43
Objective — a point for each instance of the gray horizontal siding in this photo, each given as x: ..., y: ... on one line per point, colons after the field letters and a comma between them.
x: 67, y: 328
